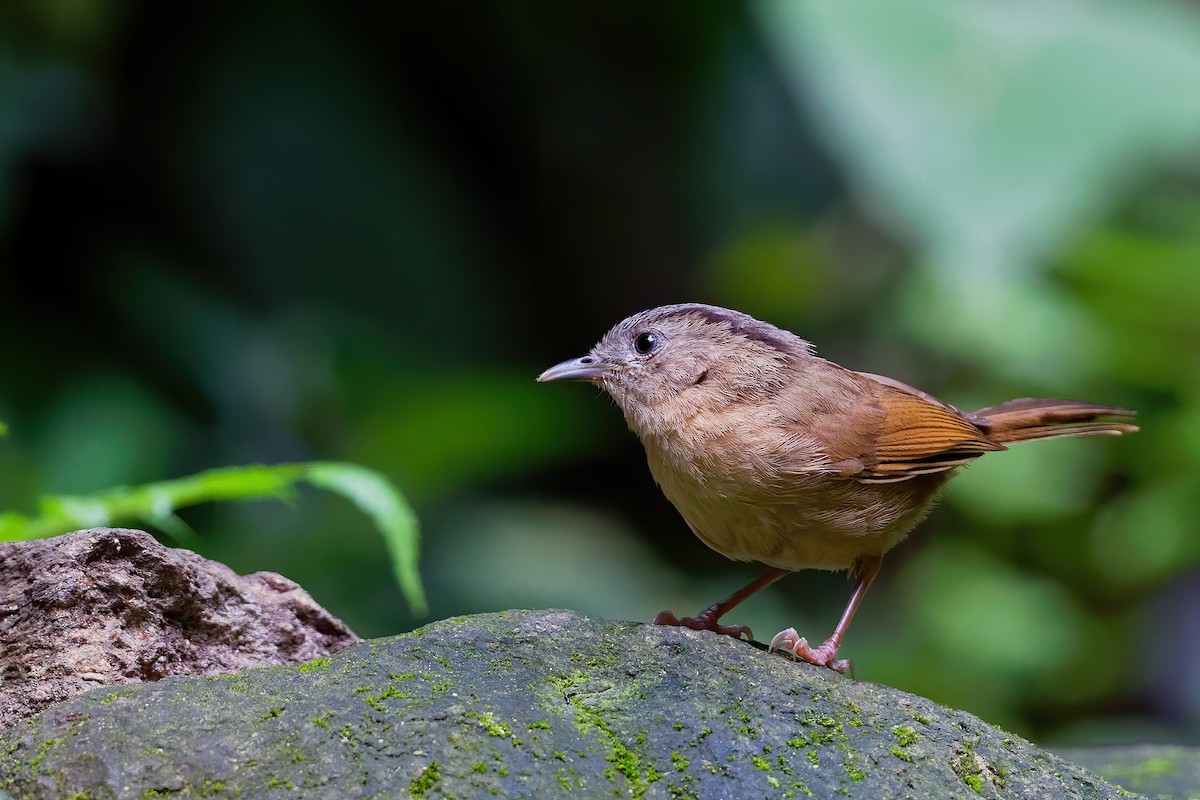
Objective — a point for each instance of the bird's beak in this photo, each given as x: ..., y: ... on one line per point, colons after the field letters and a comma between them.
x: 577, y: 369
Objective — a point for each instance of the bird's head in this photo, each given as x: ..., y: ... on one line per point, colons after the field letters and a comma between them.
x: 664, y: 365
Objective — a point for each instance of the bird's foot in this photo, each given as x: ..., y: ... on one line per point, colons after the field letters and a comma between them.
x: 704, y: 621
x: 798, y: 647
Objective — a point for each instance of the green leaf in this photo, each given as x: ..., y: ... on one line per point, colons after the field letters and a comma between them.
x: 3, y: 429
x: 155, y: 504
x: 378, y: 498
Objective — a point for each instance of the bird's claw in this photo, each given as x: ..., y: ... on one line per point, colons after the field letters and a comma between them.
x: 786, y: 640
x: 798, y: 648
x: 703, y: 622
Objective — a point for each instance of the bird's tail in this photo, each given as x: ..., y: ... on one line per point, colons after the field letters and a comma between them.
x: 1029, y: 418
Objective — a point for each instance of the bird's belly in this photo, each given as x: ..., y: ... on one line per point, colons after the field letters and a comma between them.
x: 791, y: 537
x: 819, y: 523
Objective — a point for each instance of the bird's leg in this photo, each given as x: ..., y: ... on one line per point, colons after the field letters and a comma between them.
x: 706, y: 620
x: 865, y: 570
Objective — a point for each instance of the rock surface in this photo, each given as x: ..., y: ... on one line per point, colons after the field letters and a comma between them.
x: 113, y: 606
x: 530, y: 704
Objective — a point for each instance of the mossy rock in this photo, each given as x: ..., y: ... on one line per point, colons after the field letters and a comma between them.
x: 528, y: 704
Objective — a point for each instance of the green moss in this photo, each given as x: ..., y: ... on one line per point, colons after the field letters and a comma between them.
x: 905, y: 735
x: 900, y: 754
x: 596, y: 661
x: 44, y: 748
x: 323, y: 720
x: 316, y: 665
x: 798, y: 787
x: 739, y: 719
x: 970, y: 767
x: 118, y: 695
x: 828, y: 731
x: 760, y: 762
x: 831, y: 729
x: 628, y: 763
x: 425, y: 781
x: 487, y: 720
x: 271, y: 714
x: 566, y: 684
x: 684, y: 792
x: 624, y: 760
x: 680, y: 762
x: 392, y: 691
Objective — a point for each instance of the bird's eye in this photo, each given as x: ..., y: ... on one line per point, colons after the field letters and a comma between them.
x: 646, y: 342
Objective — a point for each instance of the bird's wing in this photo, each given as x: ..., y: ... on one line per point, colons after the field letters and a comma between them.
x: 904, y: 387
x: 872, y: 429
x: 916, y: 437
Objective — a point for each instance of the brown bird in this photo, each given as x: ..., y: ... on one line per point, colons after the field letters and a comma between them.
x: 774, y: 455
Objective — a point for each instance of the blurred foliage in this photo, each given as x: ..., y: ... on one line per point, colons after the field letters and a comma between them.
x: 268, y: 232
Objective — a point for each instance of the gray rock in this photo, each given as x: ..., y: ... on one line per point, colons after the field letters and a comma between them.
x: 529, y: 704
x: 113, y: 606
x: 1161, y: 772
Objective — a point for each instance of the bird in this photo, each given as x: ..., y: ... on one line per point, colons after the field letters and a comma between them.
x: 774, y: 455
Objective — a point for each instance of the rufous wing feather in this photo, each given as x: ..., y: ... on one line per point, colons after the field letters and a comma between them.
x: 917, y: 437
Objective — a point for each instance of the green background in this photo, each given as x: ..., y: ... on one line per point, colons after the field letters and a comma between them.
x: 277, y: 231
